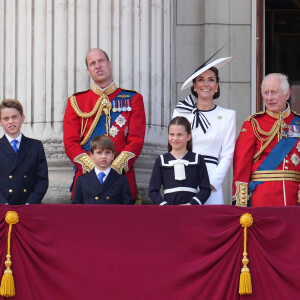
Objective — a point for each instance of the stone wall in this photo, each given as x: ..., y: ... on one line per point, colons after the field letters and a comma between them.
x: 153, y: 44
x: 203, y: 27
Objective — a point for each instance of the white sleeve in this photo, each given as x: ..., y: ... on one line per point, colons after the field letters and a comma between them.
x: 227, y: 150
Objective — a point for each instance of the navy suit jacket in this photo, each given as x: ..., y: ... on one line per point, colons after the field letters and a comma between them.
x: 114, y: 190
x: 23, y: 176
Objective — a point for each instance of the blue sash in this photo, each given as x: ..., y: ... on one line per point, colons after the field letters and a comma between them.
x: 275, y: 157
x: 122, y: 101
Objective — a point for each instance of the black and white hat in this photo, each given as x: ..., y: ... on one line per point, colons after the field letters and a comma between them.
x: 218, y: 63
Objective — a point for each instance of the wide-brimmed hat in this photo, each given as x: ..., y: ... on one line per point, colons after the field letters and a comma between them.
x: 218, y: 63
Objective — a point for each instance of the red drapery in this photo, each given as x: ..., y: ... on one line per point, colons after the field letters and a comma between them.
x: 70, y: 252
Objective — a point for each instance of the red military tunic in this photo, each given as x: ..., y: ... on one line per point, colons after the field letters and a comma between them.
x: 259, y: 135
x: 83, y: 112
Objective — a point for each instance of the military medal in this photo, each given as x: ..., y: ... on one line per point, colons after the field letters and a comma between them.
x: 128, y: 105
x: 123, y: 106
x: 293, y: 131
x: 113, y: 131
x: 120, y: 120
x: 119, y: 106
x: 295, y: 159
x: 114, y: 106
x: 126, y: 131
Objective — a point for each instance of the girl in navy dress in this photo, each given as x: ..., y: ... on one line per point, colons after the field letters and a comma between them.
x: 180, y: 172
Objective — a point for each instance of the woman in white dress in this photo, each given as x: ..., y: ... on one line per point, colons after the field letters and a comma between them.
x: 213, y: 127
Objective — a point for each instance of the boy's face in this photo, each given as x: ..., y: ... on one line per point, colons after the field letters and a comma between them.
x: 11, y: 120
x: 102, y: 158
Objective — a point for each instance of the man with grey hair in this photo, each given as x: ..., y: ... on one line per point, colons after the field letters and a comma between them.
x: 266, y: 162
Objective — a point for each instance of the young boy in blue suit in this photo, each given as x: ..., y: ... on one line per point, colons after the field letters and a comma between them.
x: 103, y: 185
x: 23, y: 164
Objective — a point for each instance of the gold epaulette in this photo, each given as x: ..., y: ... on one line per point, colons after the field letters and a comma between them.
x: 86, y: 162
x: 294, y: 112
x: 254, y: 115
x: 79, y: 93
x: 126, y: 90
x: 120, y: 164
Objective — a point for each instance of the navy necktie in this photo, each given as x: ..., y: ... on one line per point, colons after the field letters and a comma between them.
x: 14, y: 145
x: 101, y: 175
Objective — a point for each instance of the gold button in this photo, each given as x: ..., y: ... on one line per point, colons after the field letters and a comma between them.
x: 10, y: 191
x: 243, y: 188
x: 25, y: 191
x: 287, y: 161
x: 286, y: 167
x: 25, y: 176
x: 96, y: 198
x: 107, y: 198
x: 10, y: 177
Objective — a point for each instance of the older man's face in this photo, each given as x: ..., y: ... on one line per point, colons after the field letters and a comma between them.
x: 275, y: 98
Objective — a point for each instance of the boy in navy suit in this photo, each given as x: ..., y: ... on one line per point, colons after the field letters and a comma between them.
x: 102, y: 185
x: 23, y: 164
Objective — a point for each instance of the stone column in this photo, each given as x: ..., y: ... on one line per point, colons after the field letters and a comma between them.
x: 42, y: 61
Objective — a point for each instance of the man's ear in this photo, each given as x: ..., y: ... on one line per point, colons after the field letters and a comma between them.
x: 288, y: 94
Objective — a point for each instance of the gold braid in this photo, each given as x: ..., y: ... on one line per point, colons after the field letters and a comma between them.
x: 275, y: 130
x: 82, y: 114
x: 102, y: 104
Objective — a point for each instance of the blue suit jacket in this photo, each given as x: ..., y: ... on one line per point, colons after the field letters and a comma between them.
x: 114, y: 190
x: 23, y: 176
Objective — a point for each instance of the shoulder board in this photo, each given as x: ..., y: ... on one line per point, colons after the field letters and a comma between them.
x: 131, y: 91
x: 255, y: 115
x: 297, y: 114
x: 79, y: 93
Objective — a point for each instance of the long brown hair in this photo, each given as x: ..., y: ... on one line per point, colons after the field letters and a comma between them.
x: 182, y: 121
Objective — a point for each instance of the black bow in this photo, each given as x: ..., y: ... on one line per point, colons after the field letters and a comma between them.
x: 188, y: 104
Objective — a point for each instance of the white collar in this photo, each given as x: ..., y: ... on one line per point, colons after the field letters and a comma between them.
x: 106, y: 172
x: 11, y: 139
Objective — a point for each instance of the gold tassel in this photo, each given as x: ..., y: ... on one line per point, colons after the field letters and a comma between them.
x: 245, y: 287
x: 7, y: 288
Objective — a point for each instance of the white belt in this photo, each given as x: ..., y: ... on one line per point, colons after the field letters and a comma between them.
x: 180, y: 189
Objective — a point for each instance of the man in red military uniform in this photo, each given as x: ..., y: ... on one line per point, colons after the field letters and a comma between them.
x: 105, y: 109
x: 266, y: 162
